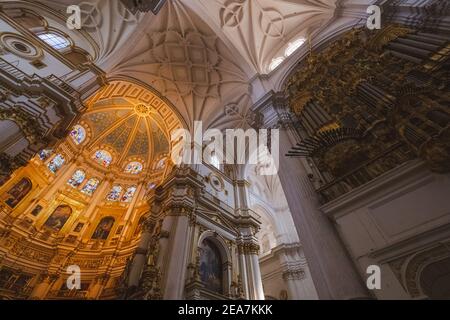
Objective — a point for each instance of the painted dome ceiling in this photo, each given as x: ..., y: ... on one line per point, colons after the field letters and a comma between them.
x: 130, y: 123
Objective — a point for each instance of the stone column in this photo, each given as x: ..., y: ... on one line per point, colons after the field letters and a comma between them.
x: 163, y: 258
x: 97, y: 288
x: 42, y: 288
x: 250, y: 270
x: 242, y: 195
x: 293, y: 279
x: 60, y: 180
x: 140, y: 256
x: 243, y: 272
x: 130, y: 217
x: 258, y: 291
x: 98, y: 195
x: 333, y: 272
x: 175, y: 277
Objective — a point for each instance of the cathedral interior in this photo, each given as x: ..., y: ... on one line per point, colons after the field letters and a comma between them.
x: 88, y: 181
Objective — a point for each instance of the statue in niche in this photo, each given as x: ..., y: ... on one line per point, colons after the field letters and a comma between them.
x: 58, y: 218
x: 153, y: 252
x: 18, y: 192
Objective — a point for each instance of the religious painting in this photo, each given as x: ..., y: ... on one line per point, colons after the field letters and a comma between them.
x: 18, y: 192
x: 59, y: 218
x: 119, y: 230
x: 36, y: 210
x: 103, y: 229
x: 79, y: 227
x: 211, y: 273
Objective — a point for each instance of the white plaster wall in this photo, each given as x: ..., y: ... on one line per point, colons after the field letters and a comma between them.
x: 387, y: 217
x: 227, y: 194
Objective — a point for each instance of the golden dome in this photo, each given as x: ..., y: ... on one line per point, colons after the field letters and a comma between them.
x: 131, y: 124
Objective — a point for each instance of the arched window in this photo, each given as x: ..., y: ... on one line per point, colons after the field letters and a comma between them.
x: 211, y: 266
x: 129, y: 194
x: 57, y: 41
x: 90, y: 186
x: 114, y: 194
x: 103, y: 229
x: 103, y: 158
x: 161, y: 164
x: 275, y: 63
x: 77, y: 179
x: 59, y: 218
x: 18, y: 192
x: 134, y: 167
x: 56, y: 163
x: 78, y: 134
x: 293, y: 46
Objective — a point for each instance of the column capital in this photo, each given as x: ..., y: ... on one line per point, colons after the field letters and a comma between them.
x: 248, y: 248
x: 294, y: 274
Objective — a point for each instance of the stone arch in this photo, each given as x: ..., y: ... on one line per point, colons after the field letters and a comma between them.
x: 414, y: 266
x: 39, y: 19
x: 435, y: 279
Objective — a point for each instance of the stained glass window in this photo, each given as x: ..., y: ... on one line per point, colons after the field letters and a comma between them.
x: 55, y: 40
x: 161, y: 164
x: 275, y: 63
x: 103, y: 158
x: 78, y: 134
x: 45, y: 154
x: 293, y: 46
x: 128, y: 195
x: 56, y: 163
x: 90, y: 186
x: 77, y: 179
x: 114, y: 194
x: 134, y: 168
